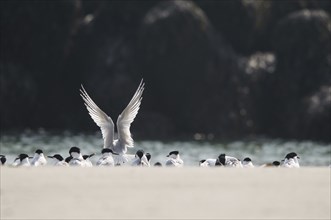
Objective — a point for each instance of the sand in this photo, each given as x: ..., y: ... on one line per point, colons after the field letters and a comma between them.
x: 165, y: 193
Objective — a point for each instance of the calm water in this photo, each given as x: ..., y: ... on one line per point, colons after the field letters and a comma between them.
x: 260, y: 151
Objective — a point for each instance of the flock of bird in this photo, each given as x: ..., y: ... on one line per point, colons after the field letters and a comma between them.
x: 140, y: 159
x: 114, y: 151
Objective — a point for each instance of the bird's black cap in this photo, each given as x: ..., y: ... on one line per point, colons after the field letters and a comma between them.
x: 290, y: 155
x: 247, y: 159
x: 176, y: 152
x: 74, y: 149
x: 158, y: 164
x: 22, y: 156
x: 57, y: 156
x: 39, y: 151
x: 140, y: 153
x: 276, y: 163
x: 3, y: 159
x: 68, y: 159
x: 108, y: 150
x: 220, y: 160
x: 87, y: 156
x: 149, y: 156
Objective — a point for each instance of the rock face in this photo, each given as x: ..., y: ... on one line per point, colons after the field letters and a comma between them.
x: 188, y: 65
x: 302, y: 43
x: 35, y: 42
x: 215, y: 68
x: 316, y: 115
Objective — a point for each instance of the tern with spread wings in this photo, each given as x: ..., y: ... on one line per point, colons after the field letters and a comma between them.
x: 124, y: 120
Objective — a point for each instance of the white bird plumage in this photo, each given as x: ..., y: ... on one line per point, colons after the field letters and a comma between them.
x: 87, y: 161
x: 291, y: 160
x: 22, y: 160
x: 140, y: 160
x: 174, y: 160
x: 207, y: 163
x: 247, y: 163
x: 106, y: 158
x: 77, y: 158
x: 106, y: 161
x: 58, y: 160
x: 124, y: 121
x: 38, y: 159
x: 228, y: 161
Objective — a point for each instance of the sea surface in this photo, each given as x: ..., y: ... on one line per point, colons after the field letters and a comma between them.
x: 192, y: 151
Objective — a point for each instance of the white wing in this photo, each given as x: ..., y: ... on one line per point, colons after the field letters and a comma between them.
x: 232, y: 162
x: 170, y: 162
x: 125, y: 119
x: 105, y: 123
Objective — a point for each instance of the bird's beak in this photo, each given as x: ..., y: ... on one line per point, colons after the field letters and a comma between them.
x: 298, y: 157
x: 115, y: 153
x: 91, y: 155
x: 50, y: 156
x: 168, y: 156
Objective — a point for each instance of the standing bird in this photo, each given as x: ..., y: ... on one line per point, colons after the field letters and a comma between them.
x: 291, y: 160
x: 148, y: 156
x: 247, y: 163
x: 77, y: 158
x: 88, y: 162
x: 3, y: 159
x: 227, y: 161
x: 124, y: 121
x: 174, y: 160
x: 23, y: 160
x: 106, y: 158
x: 38, y: 159
x: 58, y: 160
x: 140, y: 159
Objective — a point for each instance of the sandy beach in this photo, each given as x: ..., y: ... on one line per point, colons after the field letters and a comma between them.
x: 165, y: 193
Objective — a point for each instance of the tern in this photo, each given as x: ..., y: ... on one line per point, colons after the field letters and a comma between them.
x: 140, y: 159
x: 158, y: 164
x: 148, y: 156
x: 77, y: 158
x: 22, y: 160
x: 227, y: 161
x: 68, y: 159
x: 174, y: 160
x: 3, y: 159
x: 247, y: 163
x: 58, y: 160
x: 291, y: 160
x: 124, y: 121
x: 88, y: 162
x: 207, y: 163
x: 106, y: 158
x: 38, y: 159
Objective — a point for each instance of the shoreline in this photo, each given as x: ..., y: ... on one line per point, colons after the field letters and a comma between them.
x: 164, y: 193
